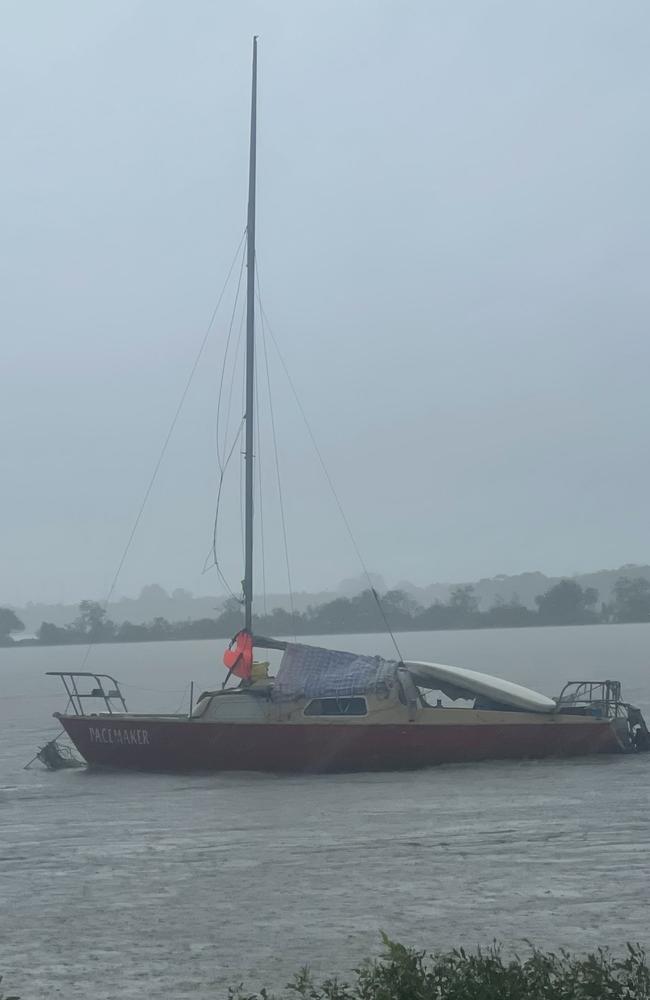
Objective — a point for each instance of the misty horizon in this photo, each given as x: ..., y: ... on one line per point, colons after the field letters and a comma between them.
x: 354, y: 585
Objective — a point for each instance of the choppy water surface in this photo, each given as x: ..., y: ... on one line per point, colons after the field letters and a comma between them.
x: 127, y: 885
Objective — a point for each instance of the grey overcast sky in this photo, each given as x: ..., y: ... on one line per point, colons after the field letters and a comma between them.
x: 453, y: 245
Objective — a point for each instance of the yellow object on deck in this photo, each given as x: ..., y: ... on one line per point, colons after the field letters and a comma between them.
x: 260, y: 670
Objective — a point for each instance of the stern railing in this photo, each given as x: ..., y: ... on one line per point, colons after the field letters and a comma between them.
x: 604, y: 696
x: 76, y: 683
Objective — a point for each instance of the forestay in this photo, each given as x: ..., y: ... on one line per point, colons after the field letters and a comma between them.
x: 314, y: 672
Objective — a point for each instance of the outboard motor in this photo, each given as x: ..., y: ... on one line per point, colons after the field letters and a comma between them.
x: 638, y: 729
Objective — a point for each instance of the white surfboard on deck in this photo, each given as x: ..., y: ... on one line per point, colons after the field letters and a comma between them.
x: 431, y: 675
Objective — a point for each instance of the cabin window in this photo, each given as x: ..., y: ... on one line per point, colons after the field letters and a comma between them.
x: 337, y: 706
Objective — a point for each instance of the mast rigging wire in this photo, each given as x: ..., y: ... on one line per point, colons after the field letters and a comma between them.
x: 277, y: 464
x: 261, y: 491
x: 223, y: 467
x: 213, y: 550
x: 240, y: 338
x: 163, y: 450
x: 265, y: 323
x: 225, y: 354
x: 223, y: 464
x: 242, y: 474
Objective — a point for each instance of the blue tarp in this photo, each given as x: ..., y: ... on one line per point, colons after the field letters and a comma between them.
x: 314, y: 672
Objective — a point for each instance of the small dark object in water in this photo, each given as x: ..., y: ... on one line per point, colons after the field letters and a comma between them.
x: 55, y: 757
x: 3, y: 997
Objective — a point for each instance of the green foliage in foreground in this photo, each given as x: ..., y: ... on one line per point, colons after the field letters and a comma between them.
x: 405, y: 974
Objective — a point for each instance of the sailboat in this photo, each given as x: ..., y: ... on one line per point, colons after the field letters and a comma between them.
x: 329, y: 710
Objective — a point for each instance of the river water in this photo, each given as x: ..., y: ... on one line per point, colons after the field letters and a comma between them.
x: 129, y: 885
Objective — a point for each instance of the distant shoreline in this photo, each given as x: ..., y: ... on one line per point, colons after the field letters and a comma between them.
x: 565, y: 603
x: 35, y: 643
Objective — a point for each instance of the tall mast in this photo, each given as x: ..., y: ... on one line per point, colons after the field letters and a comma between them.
x: 250, y: 352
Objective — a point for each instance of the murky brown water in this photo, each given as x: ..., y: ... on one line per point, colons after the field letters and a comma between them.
x: 126, y: 885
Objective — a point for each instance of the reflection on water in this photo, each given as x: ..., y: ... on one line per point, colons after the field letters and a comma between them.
x: 131, y: 885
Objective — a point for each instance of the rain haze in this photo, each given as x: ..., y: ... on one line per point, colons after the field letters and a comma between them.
x: 216, y: 772
x: 453, y: 258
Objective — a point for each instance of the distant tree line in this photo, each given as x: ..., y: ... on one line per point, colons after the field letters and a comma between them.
x: 9, y: 622
x: 565, y: 603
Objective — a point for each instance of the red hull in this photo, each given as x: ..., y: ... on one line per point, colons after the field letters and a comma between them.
x: 153, y: 744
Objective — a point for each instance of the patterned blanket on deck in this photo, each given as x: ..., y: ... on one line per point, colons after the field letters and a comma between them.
x: 313, y: 672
